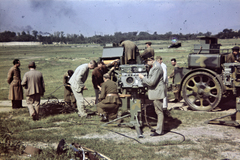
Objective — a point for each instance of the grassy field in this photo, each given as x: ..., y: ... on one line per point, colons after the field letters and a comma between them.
x: 114, y: 142
x: 54, y: 61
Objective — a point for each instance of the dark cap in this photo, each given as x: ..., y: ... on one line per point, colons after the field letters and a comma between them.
x: 150, y: 58
x: 235, y: 48
x: 31, y: 65
x: 149, y: 43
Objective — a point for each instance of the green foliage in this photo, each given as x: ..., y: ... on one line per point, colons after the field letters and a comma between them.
x: 60, y: 37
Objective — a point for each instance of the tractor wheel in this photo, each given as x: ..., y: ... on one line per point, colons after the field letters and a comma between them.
x: 201, y: 91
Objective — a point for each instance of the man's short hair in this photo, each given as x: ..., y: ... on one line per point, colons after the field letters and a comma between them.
x: 106, y: 75
x: 159, y: 57
x: 15, y: 61
x: 121, y: 41
x: 100, y: 62
x: 70, y: 73
x: 32, y: 65
x: 94, y: 63
x: 173, y: 59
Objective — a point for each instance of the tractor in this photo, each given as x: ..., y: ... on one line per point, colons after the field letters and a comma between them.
x: 208, y: 78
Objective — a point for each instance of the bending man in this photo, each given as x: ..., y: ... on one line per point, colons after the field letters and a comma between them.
x: 77, y: 84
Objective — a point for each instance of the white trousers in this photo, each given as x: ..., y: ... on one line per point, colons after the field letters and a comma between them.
x: 80, y: 102
x: 165, y: 99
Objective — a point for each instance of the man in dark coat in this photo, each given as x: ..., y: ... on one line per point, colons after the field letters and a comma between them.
x: 109, y: 99
x: 34, y: 89
x: 175, y: 89
x: 14, y: 81
x: 148, y: 51
x: 97, y: 78
x: 156, y: 88
x: 130, y: 51
x: 234, y: 56
x: 68, y: 94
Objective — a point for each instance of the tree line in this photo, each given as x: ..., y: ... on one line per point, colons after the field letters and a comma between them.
x: 60, y: 37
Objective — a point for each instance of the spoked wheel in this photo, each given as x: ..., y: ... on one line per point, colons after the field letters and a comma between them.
x: 201, y: 91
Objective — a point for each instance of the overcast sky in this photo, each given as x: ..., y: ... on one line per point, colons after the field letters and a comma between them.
x: 101, y: 17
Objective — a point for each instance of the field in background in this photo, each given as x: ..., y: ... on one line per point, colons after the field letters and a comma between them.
x: 187, y: 136
x: 54, y: 61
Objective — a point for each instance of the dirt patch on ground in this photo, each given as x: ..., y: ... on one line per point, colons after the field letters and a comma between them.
x: 199, y: 137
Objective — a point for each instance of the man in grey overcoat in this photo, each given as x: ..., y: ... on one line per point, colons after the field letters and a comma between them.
x: 77, y: 84
x: 34, y: 88
x: 156, y: 88
x: 165, y: 80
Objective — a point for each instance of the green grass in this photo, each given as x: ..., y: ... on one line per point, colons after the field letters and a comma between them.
x: 54, y: 61
x: 51, y: 129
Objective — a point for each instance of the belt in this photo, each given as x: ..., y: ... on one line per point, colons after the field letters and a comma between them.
x: 112, y: 94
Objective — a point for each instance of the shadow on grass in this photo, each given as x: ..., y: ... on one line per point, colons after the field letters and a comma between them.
x: 150, y: 118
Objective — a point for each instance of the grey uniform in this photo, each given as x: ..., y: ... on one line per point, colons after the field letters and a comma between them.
x: 156, y: 92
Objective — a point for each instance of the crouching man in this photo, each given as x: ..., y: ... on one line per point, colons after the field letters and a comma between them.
x: 109, y: 99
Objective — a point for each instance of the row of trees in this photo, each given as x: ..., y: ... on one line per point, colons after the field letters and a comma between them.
x: 48, y: 38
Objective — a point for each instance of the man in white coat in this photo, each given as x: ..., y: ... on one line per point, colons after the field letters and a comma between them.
x: 77, y: 84
x: 165, y: 80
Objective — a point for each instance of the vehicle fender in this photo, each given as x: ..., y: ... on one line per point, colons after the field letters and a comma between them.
x: 217, y: 76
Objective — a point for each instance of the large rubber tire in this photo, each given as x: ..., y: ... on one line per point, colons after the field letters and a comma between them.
x: 201, y: 91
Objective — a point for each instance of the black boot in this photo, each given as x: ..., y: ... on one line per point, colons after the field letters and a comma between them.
x: 74, y: 105
x: 104, y: 118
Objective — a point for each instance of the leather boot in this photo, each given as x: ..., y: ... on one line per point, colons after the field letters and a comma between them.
x: 104, y: 118
x: 74, y: 105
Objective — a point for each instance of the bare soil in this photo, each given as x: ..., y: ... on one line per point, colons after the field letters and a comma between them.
x: 201, y: 135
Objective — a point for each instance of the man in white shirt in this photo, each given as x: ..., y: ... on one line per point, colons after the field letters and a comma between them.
x: 165, y: 80
x: 77, y: 81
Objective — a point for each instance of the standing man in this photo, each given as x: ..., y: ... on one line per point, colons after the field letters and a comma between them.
x: 149, y: 51
x: 174, y: 88
x: 15, y: 88
x: 165, y: 80
x: 68, y: 94
x: 77, y: 84
x: 130, y: 51
x: 156, y: 88
x: 234, y: 56
x: 34, y: 89
x: 109, y: 99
